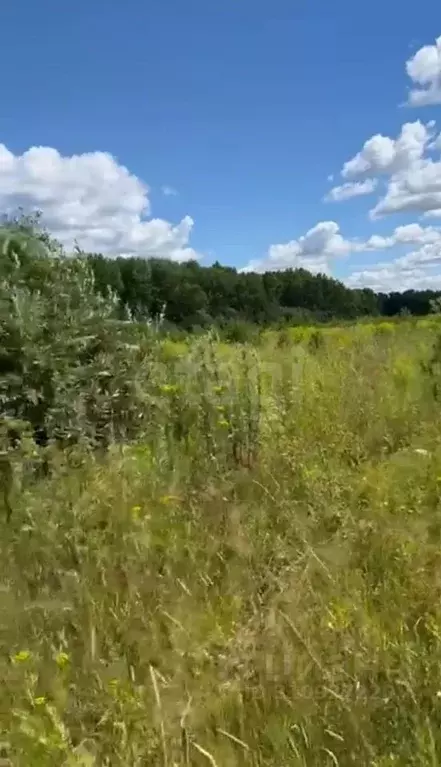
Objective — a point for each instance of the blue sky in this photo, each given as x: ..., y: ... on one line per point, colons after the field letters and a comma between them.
x: 244, y: 109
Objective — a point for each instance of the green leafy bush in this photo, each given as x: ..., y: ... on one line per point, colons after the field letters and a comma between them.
x: 67, y: 363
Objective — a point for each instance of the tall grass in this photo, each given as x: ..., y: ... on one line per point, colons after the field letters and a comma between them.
x: 254, y: 580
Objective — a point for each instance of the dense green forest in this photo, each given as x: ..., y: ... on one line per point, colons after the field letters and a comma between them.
x: 192, y: 296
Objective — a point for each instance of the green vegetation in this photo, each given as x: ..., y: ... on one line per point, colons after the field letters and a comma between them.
x: 195, y: 297
x: 233, y: 555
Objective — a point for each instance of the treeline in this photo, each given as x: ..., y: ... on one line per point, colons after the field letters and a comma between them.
x: 191, y: 296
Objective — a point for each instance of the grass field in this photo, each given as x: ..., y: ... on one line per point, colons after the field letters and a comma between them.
x: 256, y: 581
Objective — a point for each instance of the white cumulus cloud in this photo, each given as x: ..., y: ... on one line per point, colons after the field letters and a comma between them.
x: 351, y: 189
x: 312, y: 251
x: 424, y: 69
x: 418, y: 269
x: 416, y: 188
x: 391, y: 277
x: 90, y: 199
x: 433, y: 213
x: 399, y: 275
x: 384, y: 155
x: 318, y: 249
x: 409, y: 234
x: 411, y: 165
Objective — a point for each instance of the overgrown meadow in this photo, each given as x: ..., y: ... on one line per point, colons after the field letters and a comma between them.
x: 225, y: 554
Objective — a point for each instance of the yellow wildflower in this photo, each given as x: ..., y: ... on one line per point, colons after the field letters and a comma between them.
x: 22, y: 656
x: 169, y: 388
x: 135, y: 512
x: 62, y: 659
x: 167, y: 499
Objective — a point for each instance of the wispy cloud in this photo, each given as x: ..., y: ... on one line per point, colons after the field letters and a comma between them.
x: 169, y: 191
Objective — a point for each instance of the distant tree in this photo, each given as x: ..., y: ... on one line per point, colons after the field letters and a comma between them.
x: 191, y: 296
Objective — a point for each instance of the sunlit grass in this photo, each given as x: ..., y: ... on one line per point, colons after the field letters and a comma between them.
x: 255, y: 581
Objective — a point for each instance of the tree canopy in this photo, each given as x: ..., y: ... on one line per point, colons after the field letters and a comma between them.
x: 190, y: 296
